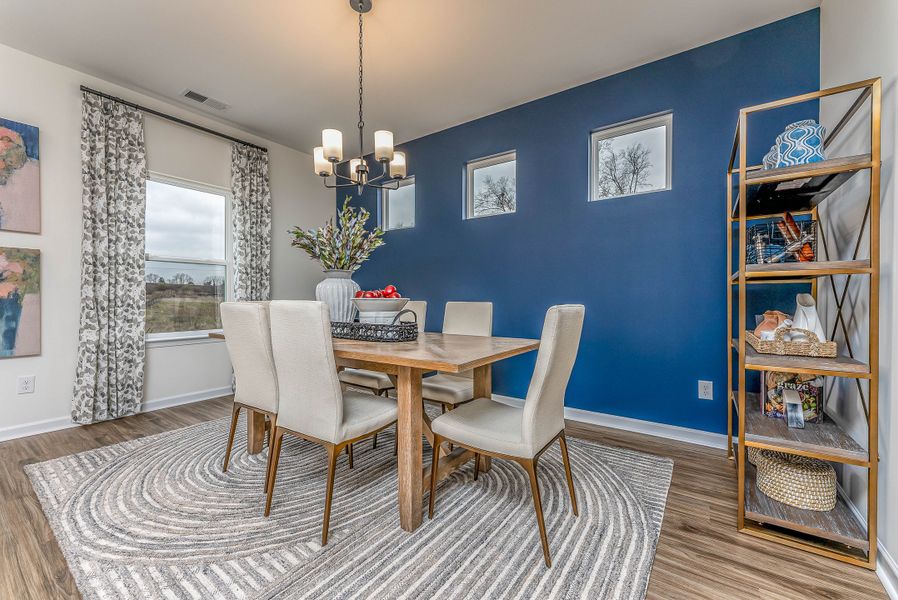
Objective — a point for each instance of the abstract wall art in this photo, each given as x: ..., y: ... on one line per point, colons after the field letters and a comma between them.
x: 20, y: 180
x: 20, y: 302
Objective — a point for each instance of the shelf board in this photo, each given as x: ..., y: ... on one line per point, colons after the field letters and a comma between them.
x: 840, y: 366
x: 805, y: 270
x: 800, y: 187
x: 838, y: 525
x: 825, y: 440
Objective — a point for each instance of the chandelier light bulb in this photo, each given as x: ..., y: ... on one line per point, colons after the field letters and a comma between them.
x: 323, y: 167
x: 353, y: 169
x: 383, y: 145
x: 332, y: 142
x: 397, y: 165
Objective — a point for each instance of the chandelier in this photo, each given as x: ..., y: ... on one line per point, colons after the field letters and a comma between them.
x: 330, y: 152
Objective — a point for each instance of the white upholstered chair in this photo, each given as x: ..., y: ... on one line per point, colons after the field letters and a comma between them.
x: 460, y: 318
x: 313, y: 405
x: 379, y: 383
x: 248, y: 339
x: 522, y: 434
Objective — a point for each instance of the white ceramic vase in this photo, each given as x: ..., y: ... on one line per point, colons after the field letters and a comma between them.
x: 337, y: 290
x: 806, y: 317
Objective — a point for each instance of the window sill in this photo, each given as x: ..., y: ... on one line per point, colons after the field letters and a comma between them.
x: 189, y: 338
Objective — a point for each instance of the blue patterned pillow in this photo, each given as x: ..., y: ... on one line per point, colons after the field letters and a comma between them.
x: 800, y: 143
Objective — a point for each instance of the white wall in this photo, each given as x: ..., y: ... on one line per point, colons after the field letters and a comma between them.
x: 857, y: 42
x: 47, y: 95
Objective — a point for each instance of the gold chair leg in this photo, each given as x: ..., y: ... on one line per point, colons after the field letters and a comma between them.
x: 235, y: 412
x: 274, y: 421
x: 434, y: 468
x: 332, y: 452
x: 476, y: 465
x: 374, y: 443
x: 396, y: 442
x: 567, y: 470
x: 276, y: 455
x: 349, y: 452
x: 530, y: 467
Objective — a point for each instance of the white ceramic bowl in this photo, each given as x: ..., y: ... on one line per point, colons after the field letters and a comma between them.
x: 379, y: 310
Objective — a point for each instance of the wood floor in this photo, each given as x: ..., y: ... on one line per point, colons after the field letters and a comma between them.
x: 700, y: 554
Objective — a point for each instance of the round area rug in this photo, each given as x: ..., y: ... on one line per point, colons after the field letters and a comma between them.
x: 157, y: 518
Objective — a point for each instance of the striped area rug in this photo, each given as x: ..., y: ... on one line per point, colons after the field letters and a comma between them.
x: 157, y: 518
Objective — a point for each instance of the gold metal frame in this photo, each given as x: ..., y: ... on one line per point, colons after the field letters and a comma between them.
x: 870, y: 89
x: 529, y: 465
x: 333, y: 451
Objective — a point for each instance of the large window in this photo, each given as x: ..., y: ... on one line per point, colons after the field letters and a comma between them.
x: 398, y: 206
x: 187, y: 256
x: 490, y: 186
x: 631, y: 158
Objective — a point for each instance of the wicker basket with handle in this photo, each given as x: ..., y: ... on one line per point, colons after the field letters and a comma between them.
x: 778, y: 345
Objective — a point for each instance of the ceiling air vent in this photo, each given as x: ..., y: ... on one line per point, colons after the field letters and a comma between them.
x: 205, y: 100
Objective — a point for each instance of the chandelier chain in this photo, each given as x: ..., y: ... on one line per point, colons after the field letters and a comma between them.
x: 361, y: 123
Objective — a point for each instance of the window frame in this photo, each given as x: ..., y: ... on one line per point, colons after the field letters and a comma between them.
x: 662, y: 119
x: 480, y: 163
x: 385, y: 205
x: 227, y: 262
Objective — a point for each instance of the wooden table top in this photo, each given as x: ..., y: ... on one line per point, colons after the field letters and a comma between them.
x: 433, y: 351
x: 436, y: 351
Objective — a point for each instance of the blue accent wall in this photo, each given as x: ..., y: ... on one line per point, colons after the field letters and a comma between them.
x: 649, y: 268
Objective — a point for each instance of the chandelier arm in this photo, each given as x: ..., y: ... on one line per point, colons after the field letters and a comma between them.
x: 338, y: 185
x: 386, y: 186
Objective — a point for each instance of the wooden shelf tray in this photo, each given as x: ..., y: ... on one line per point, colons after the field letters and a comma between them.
x: 798, y: 188
x: 805, y: 270
x: 825, y: 440
x: 837, y: 525
x: 841, y: 366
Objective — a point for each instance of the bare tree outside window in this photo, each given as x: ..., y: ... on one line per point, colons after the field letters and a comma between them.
x: 631, y: 159
x: 491, y: 188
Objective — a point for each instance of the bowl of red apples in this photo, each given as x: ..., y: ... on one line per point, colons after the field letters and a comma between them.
x: 379, y: 306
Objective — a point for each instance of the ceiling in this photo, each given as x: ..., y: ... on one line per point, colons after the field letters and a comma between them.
x: 288, y: 68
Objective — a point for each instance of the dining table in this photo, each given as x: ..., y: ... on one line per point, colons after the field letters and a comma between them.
x: 406, y: 363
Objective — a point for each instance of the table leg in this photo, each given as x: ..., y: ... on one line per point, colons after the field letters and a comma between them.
x: 410, y: 447
x: 255, y: 431
x: 483, y: 388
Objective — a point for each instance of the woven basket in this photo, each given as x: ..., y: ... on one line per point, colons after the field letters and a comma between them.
x: 798, y: 481
x: 397, y: 331
x: 813, y: 347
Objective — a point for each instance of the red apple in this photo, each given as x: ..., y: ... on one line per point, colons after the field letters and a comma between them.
x: 369, y: 295
x: 393, y: 295
x: 390, y: 289
x: 378, y: 294
x: 359, y: 294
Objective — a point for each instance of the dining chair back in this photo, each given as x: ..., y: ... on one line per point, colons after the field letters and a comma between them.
x: 247, y: 332
x: 419, y: 307
x: 544, y: 405
x: 311, y: 396
x: 468, y: 318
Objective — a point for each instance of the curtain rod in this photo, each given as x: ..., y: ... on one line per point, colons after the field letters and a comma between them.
x: 177, y: 120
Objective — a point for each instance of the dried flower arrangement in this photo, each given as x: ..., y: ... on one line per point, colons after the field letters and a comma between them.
x: 344, y: 246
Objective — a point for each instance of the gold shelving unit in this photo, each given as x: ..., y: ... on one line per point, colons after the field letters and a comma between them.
x: 761, y: 194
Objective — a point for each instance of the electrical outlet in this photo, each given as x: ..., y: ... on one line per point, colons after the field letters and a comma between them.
x: 25, y: 385
x: 705, y: 390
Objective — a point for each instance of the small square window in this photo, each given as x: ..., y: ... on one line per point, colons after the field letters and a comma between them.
x: 398, y: 206
x: 631, y: 158
x: 490, y: 186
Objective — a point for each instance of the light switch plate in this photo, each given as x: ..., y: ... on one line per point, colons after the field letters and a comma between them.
x: 25, y: 384
x: 705, y: 390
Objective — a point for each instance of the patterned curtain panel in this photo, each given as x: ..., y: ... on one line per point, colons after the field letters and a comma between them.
x: 251, y: 217
x: 109, y: 375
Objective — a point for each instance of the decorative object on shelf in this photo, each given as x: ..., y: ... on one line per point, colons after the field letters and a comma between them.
x: 770, y: 322
x: 379, y: 310
x: 20, y: 177
x: 799, y: 481
x: 784, y: 240
x: 800, y: 143
x: 326, y: 156
x: 792, y: 341
x: 807, y: 319
x: 396, y: 331
x: 809, y: 388
x: 20, y: 302
x: 794, y: 412
x: 340, y: 249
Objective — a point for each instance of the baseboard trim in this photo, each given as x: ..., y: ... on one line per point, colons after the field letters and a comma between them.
x: 886, y: 567
x: 58, y: 423
x: 662, y: 430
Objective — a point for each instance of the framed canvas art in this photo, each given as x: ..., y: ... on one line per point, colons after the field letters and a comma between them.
x: 20, y: 177
x: 20, y: 302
